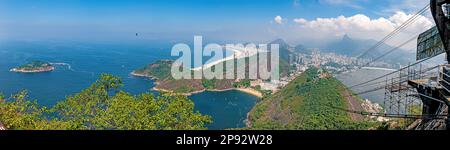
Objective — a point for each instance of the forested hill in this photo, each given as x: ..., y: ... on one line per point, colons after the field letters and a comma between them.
x: 307, y: 104
x: 103, y: 106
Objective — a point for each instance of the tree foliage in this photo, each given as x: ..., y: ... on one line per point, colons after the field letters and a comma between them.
x: 34, y: 65
x: 307, y: 103
x: 245, y: 83
x: 103, y: 106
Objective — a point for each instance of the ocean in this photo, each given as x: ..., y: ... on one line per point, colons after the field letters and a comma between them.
x: 86, y: 61
x: 363, y: 75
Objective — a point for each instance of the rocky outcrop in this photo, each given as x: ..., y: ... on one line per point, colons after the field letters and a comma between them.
x: 2, y: 127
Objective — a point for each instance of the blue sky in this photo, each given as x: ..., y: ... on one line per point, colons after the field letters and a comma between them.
x: 226, y: 20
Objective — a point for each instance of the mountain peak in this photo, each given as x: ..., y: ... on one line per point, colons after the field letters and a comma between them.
x: 346, y: 38
x: 280, y: 42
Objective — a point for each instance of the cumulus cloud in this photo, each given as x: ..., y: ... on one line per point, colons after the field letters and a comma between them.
x: 278, y: 20
x: 301, y: 21
x: 360, y: 26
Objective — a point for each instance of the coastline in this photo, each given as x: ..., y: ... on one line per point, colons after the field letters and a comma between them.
x: 237, y: 53
x: 247, y: 122
x: 32, y: 71
x: 184, y: 94
x: 244, y: 90
x: 251, y: 91
x: 142, y: 75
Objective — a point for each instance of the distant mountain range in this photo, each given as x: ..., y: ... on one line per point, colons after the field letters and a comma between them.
x: 285, y: 48
x: 354, y: 47
x: 350, y: 47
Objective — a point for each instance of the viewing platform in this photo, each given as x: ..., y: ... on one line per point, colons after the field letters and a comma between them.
x: 425, y: 83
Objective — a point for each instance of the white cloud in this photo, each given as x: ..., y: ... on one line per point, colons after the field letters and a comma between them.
x: 278, y: 20
x: 300, y: 21
x: 358, y: 26
x: 409, y: 6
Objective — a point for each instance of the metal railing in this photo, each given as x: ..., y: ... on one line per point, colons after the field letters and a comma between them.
x: 442, y: 76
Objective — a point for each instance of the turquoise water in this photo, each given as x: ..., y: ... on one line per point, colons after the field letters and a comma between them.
x: 228, y: 109
x: 88, y: 61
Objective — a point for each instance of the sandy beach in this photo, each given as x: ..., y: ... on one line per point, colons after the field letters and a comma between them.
x: 245, y: 90
x: 237, y: 54
x: 251, y: 91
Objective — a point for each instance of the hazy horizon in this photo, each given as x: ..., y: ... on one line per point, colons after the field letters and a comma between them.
x: 296, y: 21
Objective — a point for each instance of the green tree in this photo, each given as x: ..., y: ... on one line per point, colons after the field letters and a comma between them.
x: 103, y: 106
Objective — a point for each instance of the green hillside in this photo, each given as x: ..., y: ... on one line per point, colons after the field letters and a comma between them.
x: 306, y: 104
x: 161, y: 71
x: 103, y: 106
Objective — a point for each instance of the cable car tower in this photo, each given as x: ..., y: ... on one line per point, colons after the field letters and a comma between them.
x: 434, y: 91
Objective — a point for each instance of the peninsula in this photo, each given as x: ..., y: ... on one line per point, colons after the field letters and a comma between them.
x: 160, y: 71
x: 34, y: 67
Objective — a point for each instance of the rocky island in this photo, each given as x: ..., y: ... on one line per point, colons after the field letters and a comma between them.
x: 34, y: 67
x: 160, y: 71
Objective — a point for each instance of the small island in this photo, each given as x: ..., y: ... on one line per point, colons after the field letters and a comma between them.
x: 160, y: 71
x: 34, y: 67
